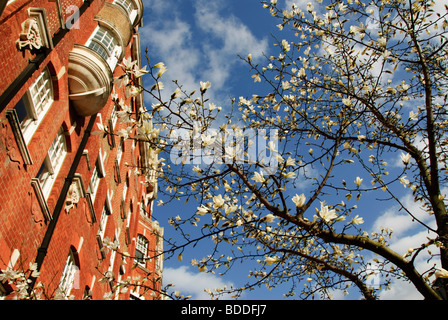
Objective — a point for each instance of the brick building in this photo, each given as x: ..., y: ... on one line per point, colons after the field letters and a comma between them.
x: 64, y: 191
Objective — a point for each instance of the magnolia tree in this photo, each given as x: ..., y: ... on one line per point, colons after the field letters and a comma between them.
x: 287, y: 177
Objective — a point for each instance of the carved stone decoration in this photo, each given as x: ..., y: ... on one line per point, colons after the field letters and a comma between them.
x: 73, y: 197
x: 30, y: 37
x: 75, y: 192
x: 35, y: 33
x: 8, y: 142
x: 35, y: 209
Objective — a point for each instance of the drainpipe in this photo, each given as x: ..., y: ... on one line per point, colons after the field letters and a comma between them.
x: 42, y: 251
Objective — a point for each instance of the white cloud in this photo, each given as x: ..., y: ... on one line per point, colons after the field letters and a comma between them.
x: 400, y: 221
x: 202, y: 46
x: 191, y: 283
x: 401, y: 290
x: 227, y: 37
x: 408, y: 234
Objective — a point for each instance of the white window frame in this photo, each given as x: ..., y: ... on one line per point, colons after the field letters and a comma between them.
x: 94, y: 182
x: 141, y: 245
x: 129, y: 6
x: 103, y: 42
x: 103, y: 222
x: 52, y: 163
x: 68, y: 275
x: 37, y: 101
x: 120, y: 151
x: 98, y: 173
x: 112, y: 256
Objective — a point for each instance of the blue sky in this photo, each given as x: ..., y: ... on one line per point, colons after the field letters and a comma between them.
x: 199, y: 41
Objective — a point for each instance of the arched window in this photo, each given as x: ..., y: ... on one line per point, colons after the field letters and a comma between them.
x: 70, y: 275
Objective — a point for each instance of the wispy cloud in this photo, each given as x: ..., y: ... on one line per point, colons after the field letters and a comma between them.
x: 193, y: 283
x: 202, y: 46
x: 407, y: 234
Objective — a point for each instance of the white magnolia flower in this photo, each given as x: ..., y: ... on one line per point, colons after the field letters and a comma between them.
x: 101, y: 129
x: 413, y: 116
x: 386, y: 54
x: 289, y: 175
x: 286, y: 85
x: 162, y: 70
x: 258, y: 177
x: 382, y: 42
x: 157, y: 86
x: 177, y: 93
x: 128, y: 64
x: 299, y: 201
x: 205, y: 86
x: 286, y: 46
x: 207, y: 139
x: 124, y: 133
x: 347, y: 101
x: 138, y: 72
x: 159, y: 65
x: 135, y: 91
x: 404, y: 181
x: 270, y: 260
x: 405, y: 158
x: 325, y: 213
x: 269, y: 218
x: 121, y: 80
x: 290, y: 162
x: 256, y: 78
x: 218, y: 201
x: 357, y: 220
x: 441, y: 273
x: 358, y: 181
x: 202, y: 210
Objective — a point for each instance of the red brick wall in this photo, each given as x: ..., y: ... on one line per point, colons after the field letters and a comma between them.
x: 23, y: 225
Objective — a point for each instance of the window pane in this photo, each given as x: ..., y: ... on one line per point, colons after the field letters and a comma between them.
x: 21, y: 111
x: 141, y: 249
x: 125, y: 4
x: 40, y: 92
x: 57, y: 149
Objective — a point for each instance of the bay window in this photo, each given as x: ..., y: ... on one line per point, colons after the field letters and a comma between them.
x: 104, y: 43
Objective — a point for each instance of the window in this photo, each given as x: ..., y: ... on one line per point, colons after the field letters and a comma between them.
x: 69, y: 275
x: 52, y: 163
x: 103, y: 221
x: 94, y: 182
x: 33, y: 106
x: 120, y: 151
x: 104, y: 43
x: 141, y: 250
x: 128, y: 5
x: 112, y: 258
x: 98, y: 172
